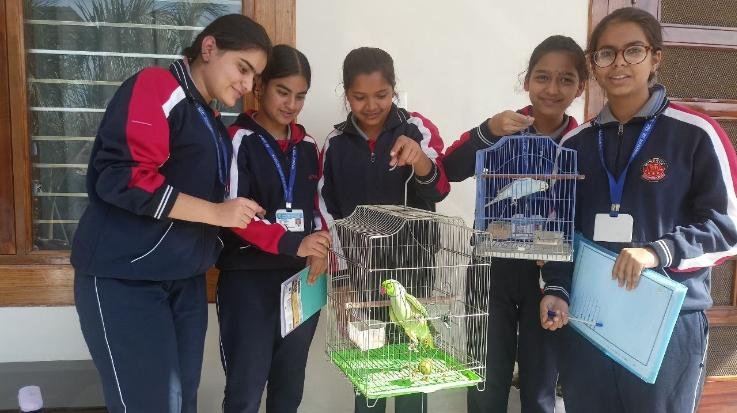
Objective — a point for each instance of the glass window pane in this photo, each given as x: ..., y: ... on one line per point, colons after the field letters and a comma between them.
x: 78, y: 52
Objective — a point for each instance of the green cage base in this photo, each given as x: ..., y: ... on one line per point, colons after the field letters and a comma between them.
x: 392, y: 370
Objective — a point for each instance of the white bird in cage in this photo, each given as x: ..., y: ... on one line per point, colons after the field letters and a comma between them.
x: 519, y: 188
x: 407, y: 311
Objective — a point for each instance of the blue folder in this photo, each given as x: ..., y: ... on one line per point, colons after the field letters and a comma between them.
x: 637, y: 324
x: 309, y: 299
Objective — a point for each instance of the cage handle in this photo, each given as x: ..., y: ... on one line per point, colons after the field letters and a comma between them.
x: 406, y: 184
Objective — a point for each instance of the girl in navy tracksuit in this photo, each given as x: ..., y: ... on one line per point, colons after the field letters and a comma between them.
x: 556, y: 75
x: 275, y: 164
x: 156, y: 183
x: 368, y: 158
x: 678, y: 169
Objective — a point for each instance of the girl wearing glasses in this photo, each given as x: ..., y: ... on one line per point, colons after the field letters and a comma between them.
x: 157, y: 180
x: 556, y: 75
x: 676, y: 170
x: 276, y: 164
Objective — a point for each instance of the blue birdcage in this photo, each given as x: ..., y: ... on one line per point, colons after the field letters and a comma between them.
x: 525, y: 199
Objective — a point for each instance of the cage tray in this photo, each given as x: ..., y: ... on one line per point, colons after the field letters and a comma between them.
x: 392, y: 371
x: 523, y: 250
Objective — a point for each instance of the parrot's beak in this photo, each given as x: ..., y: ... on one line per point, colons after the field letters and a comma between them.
x: 382, y: 290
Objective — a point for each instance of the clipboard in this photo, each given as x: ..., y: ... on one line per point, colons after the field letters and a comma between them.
x: 637, y: 324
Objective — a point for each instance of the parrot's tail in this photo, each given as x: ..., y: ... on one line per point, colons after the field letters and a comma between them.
x: 493, y: 201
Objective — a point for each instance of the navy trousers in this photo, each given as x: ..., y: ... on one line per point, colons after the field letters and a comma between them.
x: 592, y: 382
x: 146, y: 339
x: 253, y: 351
x: 514, y: 302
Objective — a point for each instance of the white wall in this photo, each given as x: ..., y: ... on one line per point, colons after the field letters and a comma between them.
x: 458, y: 61
x: 41, y: 334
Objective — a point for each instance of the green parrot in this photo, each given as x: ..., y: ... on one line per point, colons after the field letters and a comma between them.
x: 409, y: 313
x: 425, y: 367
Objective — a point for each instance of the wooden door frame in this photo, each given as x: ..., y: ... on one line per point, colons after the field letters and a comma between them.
x: 7, y: 206
x: 45, y: 278
x: 691, y: 35
x: 677, y: 35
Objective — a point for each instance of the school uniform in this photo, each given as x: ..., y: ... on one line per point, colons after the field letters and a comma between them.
x: 139, y: 286
x: 514, y: 332
x: 279, y: 175
x: 679, y: 189
x: 356, y: 172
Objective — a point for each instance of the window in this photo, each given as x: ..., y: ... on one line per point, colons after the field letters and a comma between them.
x: 60, y: 62
x: 77, y: 54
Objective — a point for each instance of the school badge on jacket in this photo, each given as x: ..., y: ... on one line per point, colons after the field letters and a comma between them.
x: 654, y: 170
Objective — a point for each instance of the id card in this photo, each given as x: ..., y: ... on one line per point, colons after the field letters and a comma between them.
x: 293, y: 220
x: 613, y: 229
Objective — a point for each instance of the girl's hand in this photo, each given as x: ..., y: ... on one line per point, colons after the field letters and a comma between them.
x: 406, y: 151
x: 315, y: 244
x: 237, y: 212
x: 630, y: 263
x: 318, y: 266
x: 508, y: 123
x: 553, y: 304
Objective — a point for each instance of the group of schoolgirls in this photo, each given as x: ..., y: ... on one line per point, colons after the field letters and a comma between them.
x: 165, y: 175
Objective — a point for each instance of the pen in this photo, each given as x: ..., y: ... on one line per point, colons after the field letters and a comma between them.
x: 552, y: 314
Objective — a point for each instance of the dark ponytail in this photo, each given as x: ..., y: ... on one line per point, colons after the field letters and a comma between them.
x: 560, y: 44
x: 367, y: 60
x: 231, y: 32
x: 286, y: 61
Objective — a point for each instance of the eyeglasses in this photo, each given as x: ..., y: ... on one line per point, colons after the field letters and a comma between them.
x: 633, y: 55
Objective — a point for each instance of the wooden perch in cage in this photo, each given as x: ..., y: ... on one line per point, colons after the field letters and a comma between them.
x: 558, y: 177
x: 386, y: 303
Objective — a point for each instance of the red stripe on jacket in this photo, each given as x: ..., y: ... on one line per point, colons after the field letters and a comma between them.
x: 147, y: 128
x: 731, y: 157
x: 265, y: 236
x: 435, y: 143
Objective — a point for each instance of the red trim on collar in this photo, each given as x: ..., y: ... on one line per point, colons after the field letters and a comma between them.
x: 527, y: 110
x: 295, y: 129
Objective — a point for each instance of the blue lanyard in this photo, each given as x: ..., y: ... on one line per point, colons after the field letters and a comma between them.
x: 220, y: 149
x: 616, y: 186
x: 288, y: 190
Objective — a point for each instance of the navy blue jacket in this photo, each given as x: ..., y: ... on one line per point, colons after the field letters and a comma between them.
x: 152, y: 144
x: 356, y: 174
x: 264, y: 244
x: 680, y: 191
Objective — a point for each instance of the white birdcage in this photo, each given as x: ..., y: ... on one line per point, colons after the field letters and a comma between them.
x: 384, y: 256
x: 525, y: 199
